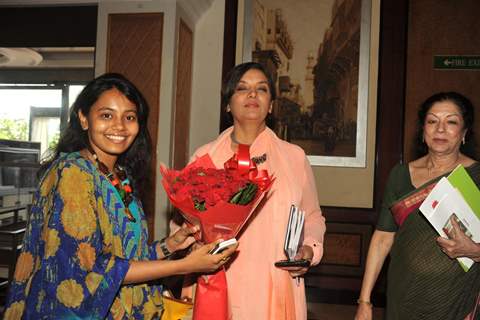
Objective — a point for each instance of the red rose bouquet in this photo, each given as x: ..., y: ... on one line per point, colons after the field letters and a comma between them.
x: 220, y: 201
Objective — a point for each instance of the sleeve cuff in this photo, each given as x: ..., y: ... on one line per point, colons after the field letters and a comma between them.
x: 153, y: 251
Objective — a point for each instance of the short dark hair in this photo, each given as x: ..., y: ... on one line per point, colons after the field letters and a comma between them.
x: 234, y: 76
x: 73, y: 138
x: 467, y: 111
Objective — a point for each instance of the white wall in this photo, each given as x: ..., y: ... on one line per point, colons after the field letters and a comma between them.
x: 207, y: 76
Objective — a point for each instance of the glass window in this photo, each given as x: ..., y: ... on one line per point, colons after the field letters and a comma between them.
x: 34, y: 112
x: 73, y: 92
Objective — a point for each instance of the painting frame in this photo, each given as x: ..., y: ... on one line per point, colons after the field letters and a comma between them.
x: 359, y: 160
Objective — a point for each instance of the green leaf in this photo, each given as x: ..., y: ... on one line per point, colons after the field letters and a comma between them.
x: 236, y: 197
x: 199, y: 205
x: 245, y: 194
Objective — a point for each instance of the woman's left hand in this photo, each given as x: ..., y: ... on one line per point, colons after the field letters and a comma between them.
x: 182, y: 238
x: 304, y: 252
x: 458, y: 244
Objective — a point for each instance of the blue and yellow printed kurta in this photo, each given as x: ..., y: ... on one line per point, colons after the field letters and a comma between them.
x: 77, y: 249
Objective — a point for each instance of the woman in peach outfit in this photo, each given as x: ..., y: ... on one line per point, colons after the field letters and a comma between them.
x: 256, y: 288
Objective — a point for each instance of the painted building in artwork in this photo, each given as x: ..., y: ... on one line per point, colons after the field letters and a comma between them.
x: 336, y: 72
x: 309, y: 84
x: 273, y: 48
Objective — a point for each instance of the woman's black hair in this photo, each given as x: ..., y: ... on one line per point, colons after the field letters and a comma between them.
x: 73, y: 138
x: 231, y: 82
x: 467, y: 111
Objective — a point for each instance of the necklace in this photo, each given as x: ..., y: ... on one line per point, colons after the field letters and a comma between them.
x: 257, y: 160
x: 232, y: 136
x: 122, y: 184
x: 430, y: 169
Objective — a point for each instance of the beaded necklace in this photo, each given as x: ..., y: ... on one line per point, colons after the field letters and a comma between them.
x: 123, y: 185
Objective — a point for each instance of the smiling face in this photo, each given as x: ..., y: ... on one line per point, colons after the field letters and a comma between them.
x: 251, y: 100
x: 444, y: 128
x: 112, y: 125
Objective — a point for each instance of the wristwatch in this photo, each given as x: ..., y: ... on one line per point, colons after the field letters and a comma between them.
x: 163, y: 247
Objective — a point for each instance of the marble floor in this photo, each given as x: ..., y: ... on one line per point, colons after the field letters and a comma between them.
x: 316, y: 311
x: 323, y: 311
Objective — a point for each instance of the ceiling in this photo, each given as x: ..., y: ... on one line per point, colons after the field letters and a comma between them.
x: 64, y: 57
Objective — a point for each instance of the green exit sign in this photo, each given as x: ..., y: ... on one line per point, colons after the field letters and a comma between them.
x: 456, y: 62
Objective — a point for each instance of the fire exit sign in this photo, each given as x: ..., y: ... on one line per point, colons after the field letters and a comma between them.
x: 456, y: 62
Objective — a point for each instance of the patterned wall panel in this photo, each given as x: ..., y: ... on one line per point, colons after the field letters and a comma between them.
x: 183, y: 96
x: 134, y: 48
x: 345, y: 246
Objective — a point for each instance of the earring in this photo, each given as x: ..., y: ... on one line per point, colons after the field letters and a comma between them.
x: 463, y: 140
x: 228, y: 108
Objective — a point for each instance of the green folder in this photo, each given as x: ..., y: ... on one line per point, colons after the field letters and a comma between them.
x: 461, y: 180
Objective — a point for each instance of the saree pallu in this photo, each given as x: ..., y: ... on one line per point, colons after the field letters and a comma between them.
x: 423, y: 282
x: 410, y: 203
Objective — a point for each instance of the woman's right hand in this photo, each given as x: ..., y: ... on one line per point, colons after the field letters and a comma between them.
x: 459, y: 244
x: 182, y: 238
x: 201, y: 261
x: 364, y: 312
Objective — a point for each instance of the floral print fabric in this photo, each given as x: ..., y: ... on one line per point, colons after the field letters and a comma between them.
x: 77, y: 249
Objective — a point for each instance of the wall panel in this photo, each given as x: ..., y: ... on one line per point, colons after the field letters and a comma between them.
x: 452, y: 28
x: 134, y: 49
x: 183, y: 97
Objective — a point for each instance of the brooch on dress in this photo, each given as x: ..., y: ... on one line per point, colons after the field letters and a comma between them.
x: 260, y: 159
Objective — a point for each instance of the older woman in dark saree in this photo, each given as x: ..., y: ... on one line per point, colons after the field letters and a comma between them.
x: 424, y: 279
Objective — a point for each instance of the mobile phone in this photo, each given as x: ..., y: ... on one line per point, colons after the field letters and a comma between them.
x: 223, y: 245
x: 293, y: 263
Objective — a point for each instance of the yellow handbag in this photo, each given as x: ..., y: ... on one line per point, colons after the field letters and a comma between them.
x: 175, y: 309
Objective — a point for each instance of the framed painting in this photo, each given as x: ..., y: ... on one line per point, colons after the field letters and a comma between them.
x: 318, y: 52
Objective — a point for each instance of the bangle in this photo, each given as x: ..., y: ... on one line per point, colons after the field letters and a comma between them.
x: 368, y: 303
x: 163, y: 247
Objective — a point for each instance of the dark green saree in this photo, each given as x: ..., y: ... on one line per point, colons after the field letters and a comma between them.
x: 423, y: 283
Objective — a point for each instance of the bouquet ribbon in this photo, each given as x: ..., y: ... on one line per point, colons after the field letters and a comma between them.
x: 241, y: 161
x: 211, y: 297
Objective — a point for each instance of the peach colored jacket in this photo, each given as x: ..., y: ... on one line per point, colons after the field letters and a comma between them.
x: 256, y: 288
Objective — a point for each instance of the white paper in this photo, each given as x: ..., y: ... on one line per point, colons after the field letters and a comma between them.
x: 444, y: 202
x: 294, y: 231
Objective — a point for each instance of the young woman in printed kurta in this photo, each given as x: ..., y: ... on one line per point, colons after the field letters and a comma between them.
x: 85, y: 254
x: 256, y: 288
